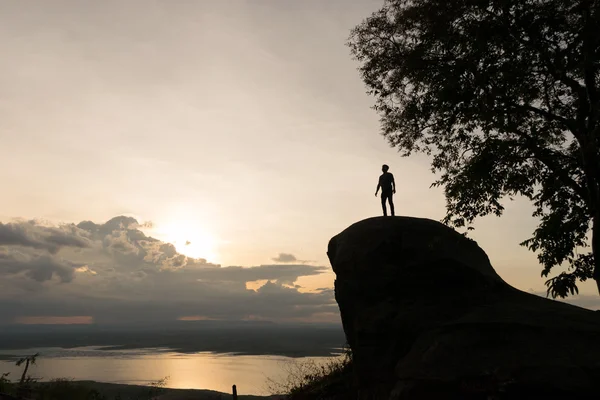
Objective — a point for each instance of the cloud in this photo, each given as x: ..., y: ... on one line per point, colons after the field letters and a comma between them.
x: 86, y: 269
x: 285, y: 258
x: 283, y: 274
x: 289, y: 258
x: 39, y: 268
x: 114, y: 272
x: 30, y: 234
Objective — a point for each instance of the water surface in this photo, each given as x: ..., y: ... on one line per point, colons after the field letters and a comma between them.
x: 202, y: 370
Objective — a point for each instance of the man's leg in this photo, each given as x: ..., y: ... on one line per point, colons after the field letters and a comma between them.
x: 383, y: 198
x: 391, y: 200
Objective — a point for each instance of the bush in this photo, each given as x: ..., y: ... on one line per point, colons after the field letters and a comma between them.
x: 63, y: 389
x: 5, y: 385
x: 311, y: 380
x: 59, y: 389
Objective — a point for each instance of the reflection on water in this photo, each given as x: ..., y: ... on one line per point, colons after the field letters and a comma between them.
x: 142, y: 366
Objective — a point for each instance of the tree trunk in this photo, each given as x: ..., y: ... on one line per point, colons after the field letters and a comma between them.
x: 591, y: 170
x: 25, y: 371
x: 596, y: 249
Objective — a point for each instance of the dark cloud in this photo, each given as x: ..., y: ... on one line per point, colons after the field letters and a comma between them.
x: 30, y: 234
x: 115, y: 224
x: 116, y: 273
x: 40, y: 268
x: 168, y: 295
x: 285, y: 258
x: 285, y: 274
x: 272, y: 301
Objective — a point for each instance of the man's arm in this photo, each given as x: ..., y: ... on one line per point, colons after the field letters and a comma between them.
x: 393, y: 184
x: 378, y: 186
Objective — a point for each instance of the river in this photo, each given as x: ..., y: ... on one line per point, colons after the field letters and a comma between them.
x: 203, y: 370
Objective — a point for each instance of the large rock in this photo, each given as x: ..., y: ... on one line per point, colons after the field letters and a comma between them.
x: 426, y: 316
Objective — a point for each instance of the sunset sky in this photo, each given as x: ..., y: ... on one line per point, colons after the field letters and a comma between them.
x: 237, y: 131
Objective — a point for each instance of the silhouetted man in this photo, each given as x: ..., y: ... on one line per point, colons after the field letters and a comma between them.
x: 388, y: 188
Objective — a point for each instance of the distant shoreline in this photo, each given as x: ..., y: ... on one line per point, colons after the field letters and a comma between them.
x: 333, y: 352
x: 236, y: 339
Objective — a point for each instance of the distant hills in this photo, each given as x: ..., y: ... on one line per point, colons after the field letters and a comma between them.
x: 243, y: 337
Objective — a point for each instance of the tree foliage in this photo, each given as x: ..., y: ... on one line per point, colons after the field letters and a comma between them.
x: 504, y: 95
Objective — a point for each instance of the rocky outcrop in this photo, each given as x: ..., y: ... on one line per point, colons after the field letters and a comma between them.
x: 427, y: 317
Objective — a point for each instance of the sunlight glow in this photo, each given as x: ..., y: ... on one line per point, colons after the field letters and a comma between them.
x: 255, y: 285
x: 189, y: 238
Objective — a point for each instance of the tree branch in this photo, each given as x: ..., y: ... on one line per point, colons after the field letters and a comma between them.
x: 557, y: 73
x: 548, y: 158
x: 546, y: 114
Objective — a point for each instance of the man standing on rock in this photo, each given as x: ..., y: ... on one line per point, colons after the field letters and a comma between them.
x: 388, y: 188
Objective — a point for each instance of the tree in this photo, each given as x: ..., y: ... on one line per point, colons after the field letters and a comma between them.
x: 23, y: 388
x: 27, y: 361
x: 504, y: 95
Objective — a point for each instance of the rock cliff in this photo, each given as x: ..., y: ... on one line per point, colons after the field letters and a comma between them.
x: 428, y: 317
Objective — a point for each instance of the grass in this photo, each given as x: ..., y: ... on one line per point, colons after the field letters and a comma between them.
x: 312, y: 380
x: 61, y: 389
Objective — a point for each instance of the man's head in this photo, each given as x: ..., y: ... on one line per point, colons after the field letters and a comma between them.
x: 385, y: 168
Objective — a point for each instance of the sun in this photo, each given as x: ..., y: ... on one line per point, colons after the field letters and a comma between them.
x: 189, y: 239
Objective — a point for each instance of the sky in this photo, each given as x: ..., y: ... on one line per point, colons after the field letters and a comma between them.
x: 196, y: 157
